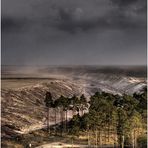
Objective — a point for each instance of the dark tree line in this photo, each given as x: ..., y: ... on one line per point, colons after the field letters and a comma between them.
x: 75, y: 104
x: 102, y: 114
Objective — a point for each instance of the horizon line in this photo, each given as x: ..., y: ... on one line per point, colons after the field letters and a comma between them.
x: 75, y: 65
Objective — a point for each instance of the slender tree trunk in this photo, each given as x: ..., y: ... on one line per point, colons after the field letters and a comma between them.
x: 96, y: 138
x: 108, y: 131
x: 122, y: 141
x: 105, y: 134
x: 72, y: 141
x: 134, y: 138
x: 88, y: 137
x: 58, y: 119
x: 72, y: 112
x: 55, y: 120
x: 66, y: 121
x: 81, y: 112
x: 48, y: 120
x: 115, y: 138
x: 100, y: 139
x: 61, y: 121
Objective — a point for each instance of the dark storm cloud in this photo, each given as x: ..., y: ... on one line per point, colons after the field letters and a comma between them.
x: 128, y: 7
x: 75, y: 26
x: 59, y: 31
x: 109, y: 21
x: 9, y: 24
x: 125, y: 3
x: 115, y: 18
x: 74, y: 19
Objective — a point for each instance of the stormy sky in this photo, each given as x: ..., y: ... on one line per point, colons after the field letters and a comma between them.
x: 74, y: 32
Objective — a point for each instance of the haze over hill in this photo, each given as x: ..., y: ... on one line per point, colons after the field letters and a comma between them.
x: 125, y: 79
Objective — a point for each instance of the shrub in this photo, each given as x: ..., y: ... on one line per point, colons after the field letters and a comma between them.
x: 142, y: 142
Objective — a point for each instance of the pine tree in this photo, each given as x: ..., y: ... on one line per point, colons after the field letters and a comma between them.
x: 48, y: 102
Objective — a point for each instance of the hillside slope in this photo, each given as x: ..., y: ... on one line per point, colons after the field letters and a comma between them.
x: 22, y: 99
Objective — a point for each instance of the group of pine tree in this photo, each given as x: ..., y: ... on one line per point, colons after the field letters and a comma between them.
x: 102, y: 118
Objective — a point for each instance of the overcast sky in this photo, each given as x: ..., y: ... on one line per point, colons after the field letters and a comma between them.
x: 77, y: 32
